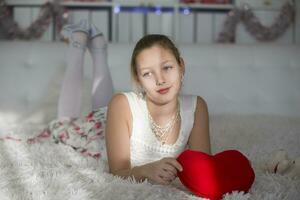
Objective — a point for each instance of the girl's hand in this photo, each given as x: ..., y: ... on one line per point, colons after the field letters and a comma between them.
x: 163, y: 171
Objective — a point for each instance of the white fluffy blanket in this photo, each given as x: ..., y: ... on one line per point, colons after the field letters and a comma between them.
x: 46, y: 170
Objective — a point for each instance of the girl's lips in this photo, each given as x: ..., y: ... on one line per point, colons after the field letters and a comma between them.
x: 163, y: 91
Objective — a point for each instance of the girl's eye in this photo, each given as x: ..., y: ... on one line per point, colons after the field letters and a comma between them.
x: 167, y: 67
x: 146, y: 74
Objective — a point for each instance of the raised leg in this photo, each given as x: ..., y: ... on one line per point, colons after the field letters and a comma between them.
x: 102, y: 89
x: 69, y: 104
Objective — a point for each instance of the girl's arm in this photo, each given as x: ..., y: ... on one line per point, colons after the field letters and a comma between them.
x: 199, y: 139
x: 117, y: 138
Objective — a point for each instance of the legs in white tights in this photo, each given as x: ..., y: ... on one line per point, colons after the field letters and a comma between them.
x: 102, y: 90
x: 69, y: 103
x: 70, y: 99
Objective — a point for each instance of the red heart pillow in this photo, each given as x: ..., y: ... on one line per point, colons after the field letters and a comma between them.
x: 213, y: 176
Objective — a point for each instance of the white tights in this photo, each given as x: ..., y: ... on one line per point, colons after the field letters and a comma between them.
x: 70, y: 99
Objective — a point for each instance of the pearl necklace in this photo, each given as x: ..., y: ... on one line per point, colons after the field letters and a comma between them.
x: 161, y: 132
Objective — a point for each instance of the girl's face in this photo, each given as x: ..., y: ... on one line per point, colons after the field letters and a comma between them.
x: 159, y: 74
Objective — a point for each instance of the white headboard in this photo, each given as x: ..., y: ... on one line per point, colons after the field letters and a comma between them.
x: 233, y: 79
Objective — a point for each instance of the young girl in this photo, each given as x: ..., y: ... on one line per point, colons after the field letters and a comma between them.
x: 147, y: 130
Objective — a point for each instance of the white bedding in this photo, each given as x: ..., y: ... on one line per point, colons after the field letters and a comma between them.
x: 46, y: 170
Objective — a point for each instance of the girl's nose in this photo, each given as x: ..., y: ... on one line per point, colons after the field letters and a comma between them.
x: 160, y: 80
x: 160, y: 83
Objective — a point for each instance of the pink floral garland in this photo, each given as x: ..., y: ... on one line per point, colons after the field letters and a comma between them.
x: 254, y: 26
x: 48, y: 12
x: 227, y: 35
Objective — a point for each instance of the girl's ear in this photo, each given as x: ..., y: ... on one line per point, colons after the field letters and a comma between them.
x: 136, y: 82
x: 182, y: 65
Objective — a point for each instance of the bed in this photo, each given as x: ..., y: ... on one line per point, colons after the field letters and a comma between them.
x: 252, y: 91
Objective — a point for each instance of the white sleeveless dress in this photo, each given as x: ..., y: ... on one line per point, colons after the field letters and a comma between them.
x: 144, y: 146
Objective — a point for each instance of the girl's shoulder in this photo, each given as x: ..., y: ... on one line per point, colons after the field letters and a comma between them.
x: 188, y: 101
x: 118, y: 104
x: 122, y: 97
x: 191, y: 102
x: 125, y: 103
x: 117, y: 100
x: 190, y: 97
x: 201, y: 106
